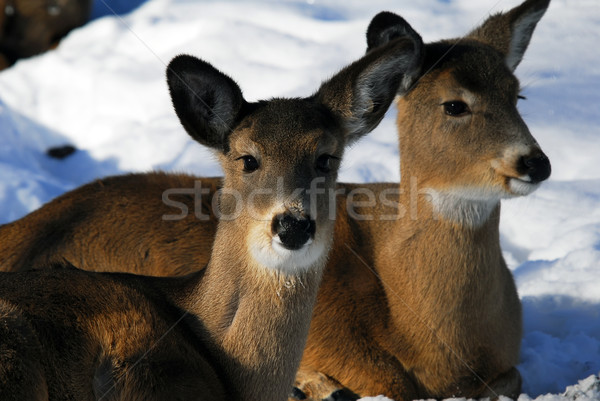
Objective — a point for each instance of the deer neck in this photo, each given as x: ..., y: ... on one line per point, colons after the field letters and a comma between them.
x: 439, y: 250
x: 469, y: 209
x: 255, y: 319
x: 447, y: 278
x: 466, y: 219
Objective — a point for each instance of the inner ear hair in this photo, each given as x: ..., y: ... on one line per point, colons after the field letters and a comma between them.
x: 207, y: 102
x: 510, y: 32
x: 362, y: 92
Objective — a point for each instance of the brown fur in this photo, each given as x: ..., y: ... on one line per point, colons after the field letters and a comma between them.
x: 449, y: 323
x: 236, y: 329
x: 314, y: 385
x: 421, y: 305
x: 73, y: 228
x: 30, y: 27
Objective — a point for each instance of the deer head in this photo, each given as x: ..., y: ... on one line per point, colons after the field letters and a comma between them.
x: 460, y: 132
x: 281, y: 156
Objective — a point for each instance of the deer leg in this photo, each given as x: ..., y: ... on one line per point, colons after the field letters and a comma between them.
x: 507, y: 384
x: 311, y: 385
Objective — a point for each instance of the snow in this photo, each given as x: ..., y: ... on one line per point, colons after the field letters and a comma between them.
x: 103, y: 90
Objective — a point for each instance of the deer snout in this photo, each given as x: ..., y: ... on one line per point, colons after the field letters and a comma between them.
x: 293, y: 231
x: 536, y: 166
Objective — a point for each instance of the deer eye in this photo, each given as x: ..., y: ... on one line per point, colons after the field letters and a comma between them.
x: 250, y: 163
x: 456, y: 108
x: 324, y: 163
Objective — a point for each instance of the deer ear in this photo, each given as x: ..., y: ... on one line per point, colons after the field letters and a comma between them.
x: 387, y: 26
x: 511, y: 32
x: 207, y: 102
x: 361, y: 93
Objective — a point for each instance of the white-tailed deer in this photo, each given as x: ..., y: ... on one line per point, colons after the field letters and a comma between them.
x: 30, y: 27
x: 430, y: 309
x: 416, y: 300
x: 236, y: 329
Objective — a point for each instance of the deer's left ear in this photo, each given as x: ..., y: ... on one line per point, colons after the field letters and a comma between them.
x: 511, y: 32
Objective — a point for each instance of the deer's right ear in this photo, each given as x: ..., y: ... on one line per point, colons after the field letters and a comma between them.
x: 387, y: 26
x: 361, y: 93
x: 207, y: 102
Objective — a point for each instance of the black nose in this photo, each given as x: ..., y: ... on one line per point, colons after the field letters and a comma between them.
x: 294, y: 231
x: 536, y: 166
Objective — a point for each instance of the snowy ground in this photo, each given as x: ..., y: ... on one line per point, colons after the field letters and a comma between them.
x: 103, y: 90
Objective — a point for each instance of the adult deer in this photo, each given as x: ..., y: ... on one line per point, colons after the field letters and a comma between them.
x: 416, y: 300
x: 424, y: 305
x: 30, y: 27
x: 236, y: 329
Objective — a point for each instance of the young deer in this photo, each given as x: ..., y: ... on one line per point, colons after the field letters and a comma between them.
x: 430, y: 309
x: 416, y: 299
x: 236, y: 329
x: 30, y: 27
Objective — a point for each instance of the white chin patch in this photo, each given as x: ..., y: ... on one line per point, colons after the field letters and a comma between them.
x: 522, y: 186
x: 473, y: 206
x: 271, y: 253
x: 468, y: 206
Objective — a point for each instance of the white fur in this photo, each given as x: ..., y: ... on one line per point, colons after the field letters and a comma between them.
x: 270, y: 253
x: 522, y: 186
x: 468, y: 206
x: 472, y: 206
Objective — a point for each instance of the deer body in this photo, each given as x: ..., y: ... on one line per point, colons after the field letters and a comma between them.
x: 423, y: 336
x: 236, y: 329
x: 71, y: 229
x: 101, y: 357
x: 416, y: 300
